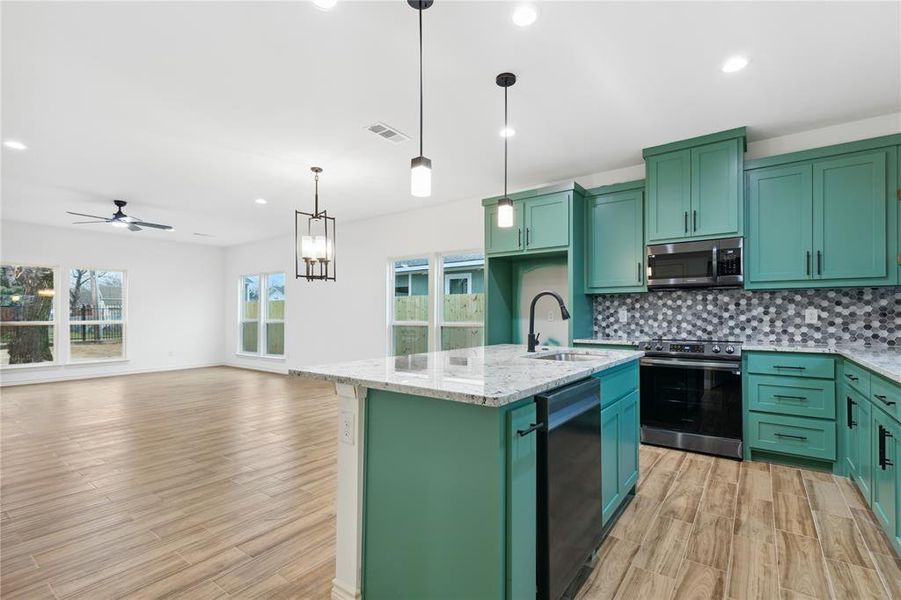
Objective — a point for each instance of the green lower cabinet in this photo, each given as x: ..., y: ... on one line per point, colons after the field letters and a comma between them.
x: 886, y: 450
x: 799, y: 436
x: 857, y: 428
x: 619, y: 452
x: 522, y: 454
x: 615, y: 243
x: 629, y: 433
x: 792, y: 395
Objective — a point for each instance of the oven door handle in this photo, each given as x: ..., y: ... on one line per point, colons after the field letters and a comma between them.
x: 712, y: 365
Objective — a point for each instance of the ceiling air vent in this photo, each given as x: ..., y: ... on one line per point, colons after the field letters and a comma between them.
x: 389, y: 133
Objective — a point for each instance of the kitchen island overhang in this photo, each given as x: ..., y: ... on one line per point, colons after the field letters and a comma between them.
x: 435, y: 491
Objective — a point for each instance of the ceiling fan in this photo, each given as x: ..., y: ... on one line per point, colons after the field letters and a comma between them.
x: 120, y: 219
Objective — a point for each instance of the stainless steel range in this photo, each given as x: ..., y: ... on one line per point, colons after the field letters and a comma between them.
x: 691, y: 396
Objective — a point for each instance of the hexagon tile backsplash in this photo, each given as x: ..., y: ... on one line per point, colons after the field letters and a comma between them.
x: 857, y: 315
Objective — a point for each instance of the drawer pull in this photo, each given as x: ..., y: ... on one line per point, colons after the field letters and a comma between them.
x: 851, y: 377
x: 803, y: 438
x: 530, y: 429
x: 883, y: 399
x: 789, y: 367
x: 783, y: 397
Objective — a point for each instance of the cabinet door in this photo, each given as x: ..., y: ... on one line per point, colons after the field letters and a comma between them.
x: 849, y: 217
x: 885, y: 492
x: 780, y: 224
x: 522, y: 455
x: 616, y: 241
x: 715, y: 188
x: 864, y: 428
x: 610, y: 446
x: 628, y: 443
x: 503, y: 239
x: 669, y: 195
x: 547, y: 221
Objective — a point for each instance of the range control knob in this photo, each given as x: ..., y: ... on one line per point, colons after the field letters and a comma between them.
x: 716, y: 349
x: 658, y: 347
x: 730, y: 349
x: 647, y: 346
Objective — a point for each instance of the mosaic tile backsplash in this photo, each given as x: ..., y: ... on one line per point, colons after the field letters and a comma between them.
x: 857, y: 315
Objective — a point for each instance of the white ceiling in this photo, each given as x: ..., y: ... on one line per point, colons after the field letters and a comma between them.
x: 190, y: 110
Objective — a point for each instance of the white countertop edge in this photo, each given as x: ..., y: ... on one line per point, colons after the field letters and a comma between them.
x: 603, y: 342
x: 489, y: 400
x: 854, y: 354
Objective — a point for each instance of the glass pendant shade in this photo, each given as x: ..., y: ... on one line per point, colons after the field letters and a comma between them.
x: 505, y: 213
x: 421, y: 177
x: 315, y: 242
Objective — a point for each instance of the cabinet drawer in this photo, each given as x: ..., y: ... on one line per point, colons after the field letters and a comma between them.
x: 856, y: 376
x: 792, y: 396
x: 618, y: 382
x: 886, y: 395
x: 796, y: 365
x: 792, y: 435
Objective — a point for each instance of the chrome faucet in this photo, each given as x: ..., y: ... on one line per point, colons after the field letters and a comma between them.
x: 533, y: 337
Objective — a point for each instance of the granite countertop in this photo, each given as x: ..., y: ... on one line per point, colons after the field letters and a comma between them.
x: 486, y: 375
x: 885, y: 360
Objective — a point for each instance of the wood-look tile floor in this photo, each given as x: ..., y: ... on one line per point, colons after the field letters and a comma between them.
x: 207, y: 483
x: 703, y: 527
x: 220, y: 483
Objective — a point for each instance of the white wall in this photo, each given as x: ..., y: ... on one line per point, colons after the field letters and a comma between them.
x: 174, y: 300
x: 346, y: 320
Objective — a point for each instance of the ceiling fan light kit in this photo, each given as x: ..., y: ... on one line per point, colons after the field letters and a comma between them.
x: 121, y: 220
x: 314, y: 241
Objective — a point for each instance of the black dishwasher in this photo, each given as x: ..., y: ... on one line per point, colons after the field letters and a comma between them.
x: 569, y: 484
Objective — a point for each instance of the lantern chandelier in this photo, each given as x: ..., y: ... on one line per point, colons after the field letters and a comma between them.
x: 314, y: 241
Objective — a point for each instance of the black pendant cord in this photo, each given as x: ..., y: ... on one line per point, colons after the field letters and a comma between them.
x: 316, y: 197
x: 506, y: 135
x: 420, y: 81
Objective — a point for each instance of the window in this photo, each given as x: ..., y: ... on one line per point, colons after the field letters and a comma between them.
x: 453, y: 299
x: 27, y: 315
x: 261, y: 315
x: 96, y: 314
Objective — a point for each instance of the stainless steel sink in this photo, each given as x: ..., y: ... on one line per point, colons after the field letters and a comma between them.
x: 568, y: 356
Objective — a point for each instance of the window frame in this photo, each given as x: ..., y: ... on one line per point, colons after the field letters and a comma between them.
x: 390, y: 320
x: 67, y: 330
x: 441, y: 323
x: 262, y: 316
x: 54, y: 323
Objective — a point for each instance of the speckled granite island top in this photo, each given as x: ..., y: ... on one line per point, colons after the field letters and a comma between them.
x: 486, y: 375
x: 885, y: 360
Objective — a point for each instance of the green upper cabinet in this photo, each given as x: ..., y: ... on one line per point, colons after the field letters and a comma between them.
x: 503, y: 239
x: 547, y: 221
x: 827, y: 222
x: 615, y: 242
x: 849, y: 214
x: 694, y: 188
x: 669, y: 195
x: 780, y: 223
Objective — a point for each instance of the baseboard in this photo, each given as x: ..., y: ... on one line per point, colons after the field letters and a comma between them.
x: 73, y: 376
x: 281, y: 369
x: 342, y: 591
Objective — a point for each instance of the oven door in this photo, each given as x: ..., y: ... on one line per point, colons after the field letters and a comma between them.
x: 687, y: 264
x: 692, y: 404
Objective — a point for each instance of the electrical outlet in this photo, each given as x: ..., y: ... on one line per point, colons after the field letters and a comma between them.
x: 623, y: 315
x: 550, y: 316
x: 811, y: 316
x: 347, y: 427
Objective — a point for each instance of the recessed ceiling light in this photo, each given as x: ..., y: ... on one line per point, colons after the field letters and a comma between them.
x: 15, y: 145
x: 260, y: 201
x: 525, y: 15
x: 507, y: 132
x: 735, y: 63
x: 325, y: 4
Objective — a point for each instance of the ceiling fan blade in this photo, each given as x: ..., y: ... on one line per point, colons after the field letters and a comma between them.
x: 88, y: 222
x: 151, y: 225
x: 84, y: 215
x: 133, y: 227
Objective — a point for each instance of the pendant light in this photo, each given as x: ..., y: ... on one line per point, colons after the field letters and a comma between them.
x: 420, y: 167
x: 505, y: 204
x: 314, y: 241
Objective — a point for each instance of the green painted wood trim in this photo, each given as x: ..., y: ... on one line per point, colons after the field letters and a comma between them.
x: 626, y: 186
x: 581, y: 323
x: 738, y: 132
x: 794, y: 461
x: 823, y: 152
x: 567, y: 186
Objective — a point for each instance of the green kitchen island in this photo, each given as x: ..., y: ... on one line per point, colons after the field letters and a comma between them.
x: 436, y: 491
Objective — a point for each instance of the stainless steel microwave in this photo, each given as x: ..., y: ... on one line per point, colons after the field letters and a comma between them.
x: 707, y: 263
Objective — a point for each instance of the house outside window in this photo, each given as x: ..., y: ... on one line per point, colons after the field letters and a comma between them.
x: 261, y: 315
x: 28, y: 329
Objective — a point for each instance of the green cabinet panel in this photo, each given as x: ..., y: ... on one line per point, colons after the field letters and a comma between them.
x: 716, y: 189
x: 780, y: 224
x: 628, y: 442
x: 799, y: 436
x: 503, y: 239
x: 886, y: 395
x: 615, y: 242
x: 547, y: 221
x: 805, y: 397
x: 857, y: 377
x: 618, y: 382
x: 786, y: 363
x: 849, y: 216
x: 521, y: 498
x: 857, y: 427
x: 610, y: 490
x: 669, y: 195
x: 886, y: 477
